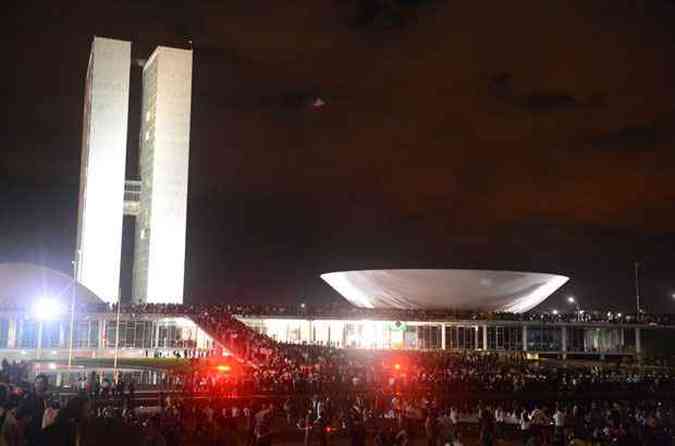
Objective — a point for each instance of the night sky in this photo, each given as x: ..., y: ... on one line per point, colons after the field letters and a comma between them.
x: 527, y: 136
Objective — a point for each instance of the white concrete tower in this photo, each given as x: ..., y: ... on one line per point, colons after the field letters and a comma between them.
x: 159, y: 258
x: 104, y: 149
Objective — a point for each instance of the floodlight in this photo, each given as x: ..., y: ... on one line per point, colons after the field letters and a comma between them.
x: 46, y: 308
x: 571, y: 299
x: 555, y: 312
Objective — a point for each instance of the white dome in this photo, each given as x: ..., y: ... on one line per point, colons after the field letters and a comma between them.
x: 460, y: 289
x: 21, y: 284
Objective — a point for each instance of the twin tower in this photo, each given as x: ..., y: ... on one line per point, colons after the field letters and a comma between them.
x: 159, y: 200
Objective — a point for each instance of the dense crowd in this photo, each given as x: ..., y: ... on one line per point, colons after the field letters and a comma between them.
x: 315, y: 394
x: 377, y: 405
x: 344, y: 311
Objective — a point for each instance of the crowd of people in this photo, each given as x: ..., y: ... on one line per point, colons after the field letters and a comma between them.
x: 375, y: 405
x: 296, y: 369
x: 269, y: 392
x: 345, y: 311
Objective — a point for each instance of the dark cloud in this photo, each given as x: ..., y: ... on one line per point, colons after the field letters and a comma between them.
x: 452, y: 135
x: 501, y: 87
x: 637, y: 137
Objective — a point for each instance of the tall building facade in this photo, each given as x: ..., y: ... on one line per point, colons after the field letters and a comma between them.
x: 159, y: 200
x: 164, y: 156
x: 102, y: 170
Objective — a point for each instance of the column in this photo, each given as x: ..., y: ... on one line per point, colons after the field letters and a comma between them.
x: 197, y: 340
x: 563, y: 341
x: 442, y: 336
x: 11, y: 332
x: 101, y: 334
x: 524, y: 338
x: 88, y: 342
x: 638, y: 346
x: 476, y: 338
x: 157, y: 333
x: 485, y: 338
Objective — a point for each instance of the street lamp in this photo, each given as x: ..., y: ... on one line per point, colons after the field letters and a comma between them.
x: 44, y: 309
x: 72, y: 309
x: 572, y: 300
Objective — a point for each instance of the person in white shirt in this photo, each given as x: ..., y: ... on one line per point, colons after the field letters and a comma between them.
x: 525, y: 425
x: 559, y: 418
x: 559, y: 423
x: 454, y: 416
x: 499, y: 421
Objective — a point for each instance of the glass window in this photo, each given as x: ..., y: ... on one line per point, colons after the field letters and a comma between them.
x: 93, y: 333
x: 4, y: 332
x: 27, y: 337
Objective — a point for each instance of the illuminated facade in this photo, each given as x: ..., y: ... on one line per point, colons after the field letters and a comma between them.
x: 95, y: 336
x: 457, y: 289
x: 26, y: 333
x: 104, y: 154
x: 165, y: 145
x: 159, y: 200
x: 536, y: 338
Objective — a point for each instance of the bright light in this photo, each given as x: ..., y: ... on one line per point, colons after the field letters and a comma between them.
x: 555, y: 312
x: 409, y: 288
x: 52, y: 366
x: 571, y: 299
x: 224, y: 368
x: 397, y: 366
x: 46, y: 309
x: 618, y: 314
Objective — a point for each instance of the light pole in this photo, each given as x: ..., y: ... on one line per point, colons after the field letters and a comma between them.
x: 572, y: 300
x: 72, y: 310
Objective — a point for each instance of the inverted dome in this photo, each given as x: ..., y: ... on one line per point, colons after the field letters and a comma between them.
x: 460, y: 289
x: 22, y: 283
